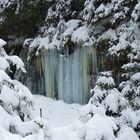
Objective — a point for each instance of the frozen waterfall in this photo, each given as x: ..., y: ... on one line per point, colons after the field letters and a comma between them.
x: 69, y: 77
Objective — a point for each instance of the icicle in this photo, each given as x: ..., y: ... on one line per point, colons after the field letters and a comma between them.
x: 70, y: 77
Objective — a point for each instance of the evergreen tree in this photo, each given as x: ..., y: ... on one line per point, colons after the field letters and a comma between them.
x: 107, y: 96
x: 15, y: 98
x: 128, y: 47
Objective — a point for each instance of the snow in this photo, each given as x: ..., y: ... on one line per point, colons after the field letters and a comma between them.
x: 65, y: 121
x: 16, y: 61
x: 6, y: 59
x: 9, y: 136
x: 126, y: 90
x: 5, y: 119
x: 114, y: 100
x: 81, y: 34
x: 122, y: 45
x: 98, y: 92
x: 99, y: 127
x: 62, y: 133
x: 106, y: 81
x: 4, y: 64
x: 130, y: 118
x: 135, y: 77
x: 52, y: 38
x: 90, y: 108
x: 22, y: 91
x: 71, y: 26
x: 4, y: 77
x: 100, y: 8
x: 136, y: 12
x: 7, y: 96
x: 130, y: 65
x: 110, y: 33
x: 127, y: 133
x: 54, y: 110
x: 2, y: 43
x: 62, y: 121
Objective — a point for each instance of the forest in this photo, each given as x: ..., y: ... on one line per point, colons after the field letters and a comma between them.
x: 69, y: 69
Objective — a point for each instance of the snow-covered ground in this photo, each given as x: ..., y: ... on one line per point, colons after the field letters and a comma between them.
x: 62, y: 118
x: 61, y: 121
x: 65, y: 122
x: 57, y: 113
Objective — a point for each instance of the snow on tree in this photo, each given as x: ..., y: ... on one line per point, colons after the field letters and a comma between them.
x: 100, y: 128
x: 17, y: 120
x: 127, y: 133
x: 14, y: 97
x: 16, y: 102
x: 116, y: 11
x: 107, y: 115
x: 128, y: 46
x: 130, y: 86
x: 106, y: 95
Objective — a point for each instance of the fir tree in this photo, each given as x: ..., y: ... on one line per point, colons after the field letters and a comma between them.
x: 106, y: 95
x: 15, y: 98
